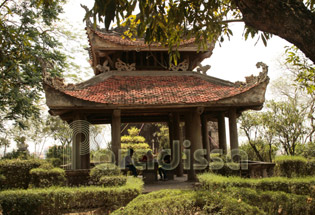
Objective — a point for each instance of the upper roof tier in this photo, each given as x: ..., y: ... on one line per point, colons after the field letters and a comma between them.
x: 106, y: 47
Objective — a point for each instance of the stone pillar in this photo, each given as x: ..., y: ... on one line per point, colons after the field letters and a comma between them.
x: 205, y: 136
x: 178, y: 136
x: 116, y: 134
x: 222, y: 132
x: 233, y: 130
x: 171, y: 130
x: 81, y: 143
x: 194, y: 133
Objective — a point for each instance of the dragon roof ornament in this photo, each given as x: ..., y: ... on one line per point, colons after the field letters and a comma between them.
x: 251, y: 80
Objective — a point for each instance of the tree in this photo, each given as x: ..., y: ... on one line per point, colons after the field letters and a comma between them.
x: 27, y: 50
x: 260, y: 138
x: 169, y: 22
x: 133, y: 140
x: 286, y: 120
x: 163, y: 136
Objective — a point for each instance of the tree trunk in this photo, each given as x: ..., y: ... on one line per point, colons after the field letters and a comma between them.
x: 289, y: 19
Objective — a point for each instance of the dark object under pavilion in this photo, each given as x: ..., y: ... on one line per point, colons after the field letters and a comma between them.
x: 134, y: 82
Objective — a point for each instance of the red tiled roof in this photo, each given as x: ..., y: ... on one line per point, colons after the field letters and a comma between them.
x: 117, y: 39
x: 155, y: 90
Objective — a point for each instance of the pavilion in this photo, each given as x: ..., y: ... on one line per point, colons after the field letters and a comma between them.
x: 134, y: 82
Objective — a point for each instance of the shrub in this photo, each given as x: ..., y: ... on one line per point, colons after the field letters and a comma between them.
x: 106, y: 169
x: 56, y: 162
x: 110, y: 181
x: 300, y: 186
x: 185, y: 202
x: 226, y: 169
x: 41, y: 177
x: 275, y: 202
x: 52, y: 201
x: 135, y: 146
x: 2, y: 180
x: 17, y: 172
x: 290, y: 166
x: 310, y: 168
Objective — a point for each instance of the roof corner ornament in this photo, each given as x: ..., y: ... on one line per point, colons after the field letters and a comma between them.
x: 251, y: 80
x: 203, y: 69
x: 103, y: 68
x: 181, y: 66
x: 87, y: 18
x: 56, y: 82
x: 122, y: 66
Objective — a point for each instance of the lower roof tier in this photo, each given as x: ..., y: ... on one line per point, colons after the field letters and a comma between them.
x: 119, y: 89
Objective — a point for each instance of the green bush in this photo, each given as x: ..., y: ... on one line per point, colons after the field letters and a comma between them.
x: 274, y: 202
x: 2, y: 180
x: 290, y: 166
x: 310, y: 168
x: 300, y: 186
x: 41, y: 177
x: 226, y: 169
x: 106, y: 169
x: 186, y: 202
x: 17, y: 172
x: 110, y: 181
x: 56, y: 162
x: 135, y: 146
x: 54, y: 201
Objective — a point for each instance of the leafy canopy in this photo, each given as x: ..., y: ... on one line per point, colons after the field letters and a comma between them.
x: 27, y: 49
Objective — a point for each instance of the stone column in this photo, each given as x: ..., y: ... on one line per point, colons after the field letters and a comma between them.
x: 205, y: 136
x: 116, y: 134
x: 178, y: 136
x: 233, y: 130
x: 222, y: 132
x: 171, y: 130
x: 194, y: 133
x: 81, y: 143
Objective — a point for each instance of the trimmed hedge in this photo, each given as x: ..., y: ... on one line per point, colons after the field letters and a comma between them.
x: 226, y: 169
x: 111, y: 181
x: 310, y: 167
x: 300, y: 186
x: 290, y: 166
x: 17, y: 172
x: 275, y: 202
x: 105, y: 169
x: 186, y: 202
x: 41, y: 177
x: 58, y: 200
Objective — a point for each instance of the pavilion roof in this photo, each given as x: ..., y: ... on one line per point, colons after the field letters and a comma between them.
x: 140, y: 88
x: 121, y: 40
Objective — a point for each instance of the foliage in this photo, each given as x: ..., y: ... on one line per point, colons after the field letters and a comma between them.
x: 261, y: 143
x: 306, y: 150
x: 112, y: 181
x: 226, y: 169
x: 186, y: 202
x: 263, y: 149
x: 28, y: 48
x: 299, y: 186
x: 58, y: 200
x: 41, y: 177
x: 291, y: 166
x: 17, y: 172
x: 106, y: 169
x: 302, y: 67
x: 163, y: 136
x: 274, y: 202
x: 133, y: 140
x: 135, y: 146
